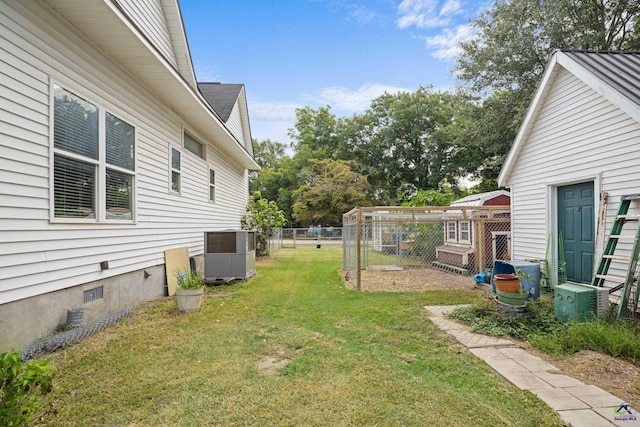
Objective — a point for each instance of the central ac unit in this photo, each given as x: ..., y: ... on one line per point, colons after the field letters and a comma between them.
x: 229, y: 255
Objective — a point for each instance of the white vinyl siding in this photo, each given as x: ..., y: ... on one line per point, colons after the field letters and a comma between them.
x: 235, y: 125
x: 578, y: 136
x: 36, y: 256
x: 149, y: 16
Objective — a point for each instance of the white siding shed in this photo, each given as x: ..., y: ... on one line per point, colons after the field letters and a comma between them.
x: 582, y: 127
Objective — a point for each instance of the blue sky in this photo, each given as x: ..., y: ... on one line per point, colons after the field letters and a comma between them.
x: 341, y: 53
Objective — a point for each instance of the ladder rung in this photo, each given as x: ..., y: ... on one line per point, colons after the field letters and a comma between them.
x: 628, y: 217
x: 611, y: 278
x: 617, y: 257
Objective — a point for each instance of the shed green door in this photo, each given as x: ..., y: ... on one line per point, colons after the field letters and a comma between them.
x: 576, y: 225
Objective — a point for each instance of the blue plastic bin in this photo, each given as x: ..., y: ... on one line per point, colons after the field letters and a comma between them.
x: 531, y: 286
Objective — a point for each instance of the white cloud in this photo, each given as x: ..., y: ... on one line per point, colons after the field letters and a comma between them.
x: 361, y: 14
x: 353, y: 101
x: 446, y: 44
x: 427, y: 13
x: 272, y: 120
x: 451, y: 7
x: 273, y: 111
x: 206, y: 73
x: 419, y: 13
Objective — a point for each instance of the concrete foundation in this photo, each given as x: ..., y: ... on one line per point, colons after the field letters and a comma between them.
x: 26, y: 321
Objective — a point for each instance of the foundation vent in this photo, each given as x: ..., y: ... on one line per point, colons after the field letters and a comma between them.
x: 93, y: 294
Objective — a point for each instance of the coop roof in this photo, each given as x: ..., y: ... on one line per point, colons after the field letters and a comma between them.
x: 479, y: 199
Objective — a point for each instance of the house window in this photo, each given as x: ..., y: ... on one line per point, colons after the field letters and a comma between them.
x: 190, y: 144
x: 175, y: 170
x: 93, y: 161
x: 451, y: 232
x: 465, y: 234
x: 212, y: 185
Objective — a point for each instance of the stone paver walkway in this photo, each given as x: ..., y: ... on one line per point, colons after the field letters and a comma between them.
x: 577, y: 403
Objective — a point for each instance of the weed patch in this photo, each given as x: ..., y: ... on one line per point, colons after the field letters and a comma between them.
x: 611, y: 336
x: 485, y: 317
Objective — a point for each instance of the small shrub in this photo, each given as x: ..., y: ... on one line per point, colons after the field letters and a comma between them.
x: 485, y: 317
x: 20, y: 385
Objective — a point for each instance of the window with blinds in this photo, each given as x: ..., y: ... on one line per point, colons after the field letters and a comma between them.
x: 194, y: 146
x: 94, y: 161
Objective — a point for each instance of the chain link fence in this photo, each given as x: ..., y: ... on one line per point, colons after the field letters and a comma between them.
x: 460, y: 239
x: 292, y: 237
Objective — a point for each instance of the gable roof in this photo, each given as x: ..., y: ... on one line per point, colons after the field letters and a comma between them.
x: 222, y: 97
x: 479, y: 199
x: 107, y: 24
x: 614, y: 75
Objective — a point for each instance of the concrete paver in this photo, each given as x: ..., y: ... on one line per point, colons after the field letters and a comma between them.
x: 559, y: 399
x: 577, y: 403
x: 584, y: 418
x: 559, y: 380
x: 594, y: 396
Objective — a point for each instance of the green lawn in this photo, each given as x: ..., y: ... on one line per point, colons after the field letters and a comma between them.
x: 354, y: 358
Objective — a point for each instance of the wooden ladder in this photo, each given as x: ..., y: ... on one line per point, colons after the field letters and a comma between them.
x: 628, y: 283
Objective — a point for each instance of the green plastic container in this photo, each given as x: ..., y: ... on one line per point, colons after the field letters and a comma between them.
x: 512, y: 298
x: 574, y: 302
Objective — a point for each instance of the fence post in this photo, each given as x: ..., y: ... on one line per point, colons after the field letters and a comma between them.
x: 358, y: 246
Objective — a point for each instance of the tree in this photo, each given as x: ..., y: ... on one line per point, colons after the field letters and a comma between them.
x: 430, y: 198
x: 331, y: 188
x: 263, y: 216
x: 485, y: 131
x: 402, y: 143
x: 267, y: 153
x: 315, y: 134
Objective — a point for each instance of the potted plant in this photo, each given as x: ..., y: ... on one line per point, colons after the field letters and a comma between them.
x: 189, y: 290
x: 509, y: 287
x: 507, y: 282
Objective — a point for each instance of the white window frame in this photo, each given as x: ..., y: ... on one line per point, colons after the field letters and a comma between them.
x: 448, y: 232
x: 100, y: 164
x: 188, y: 135
x: 173, y: 170
x: 468, y: 231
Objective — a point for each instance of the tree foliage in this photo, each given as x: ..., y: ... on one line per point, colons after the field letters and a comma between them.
x: 402, y: 142
x: 430, y: 198
x: 331, y: 188
x: 263, y: 216
x: 267, y: 153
